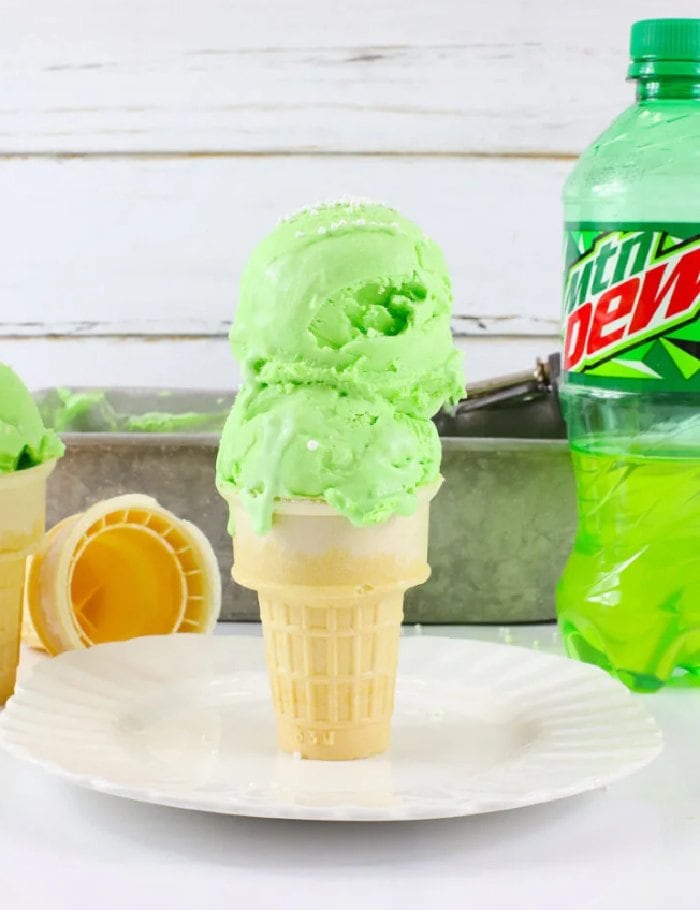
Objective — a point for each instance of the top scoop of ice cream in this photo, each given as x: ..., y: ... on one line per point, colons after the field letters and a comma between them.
x: 24, y: 440
x: 354, y: 295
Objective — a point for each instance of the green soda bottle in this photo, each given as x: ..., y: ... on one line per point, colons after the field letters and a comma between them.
x: 629, y: 597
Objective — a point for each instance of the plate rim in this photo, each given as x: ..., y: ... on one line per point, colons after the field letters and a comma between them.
x: 341, y: 811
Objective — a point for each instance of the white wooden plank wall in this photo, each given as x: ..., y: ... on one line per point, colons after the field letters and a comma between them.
x: 146, y: 146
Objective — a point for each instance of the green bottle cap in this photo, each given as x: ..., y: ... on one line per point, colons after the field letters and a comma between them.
x: 665, y: 47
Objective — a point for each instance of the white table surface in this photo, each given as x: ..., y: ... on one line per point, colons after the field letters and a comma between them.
x: 634, y: 845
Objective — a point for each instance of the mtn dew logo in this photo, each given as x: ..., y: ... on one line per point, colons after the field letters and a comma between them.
x: 632, y: 305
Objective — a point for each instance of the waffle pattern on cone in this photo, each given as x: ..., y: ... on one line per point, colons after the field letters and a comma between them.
x: 332, y: 661
x: 12, y: 569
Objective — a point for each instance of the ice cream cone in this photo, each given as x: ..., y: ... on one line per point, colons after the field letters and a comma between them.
x: 331, y: 602
x: 22, y: 518
x: 125, y: 567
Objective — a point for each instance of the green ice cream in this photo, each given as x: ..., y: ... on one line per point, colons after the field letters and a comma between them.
x: 343, y: 333
x: 352, y: 295
x: 24, y: 440
x: 94, y: 412
x: 359, y: 454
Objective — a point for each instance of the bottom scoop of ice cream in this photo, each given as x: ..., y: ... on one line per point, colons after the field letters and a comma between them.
x: 24, y: 440
x: 358, y: 454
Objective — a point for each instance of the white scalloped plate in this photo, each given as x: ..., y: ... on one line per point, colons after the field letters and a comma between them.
x: 185, y: 720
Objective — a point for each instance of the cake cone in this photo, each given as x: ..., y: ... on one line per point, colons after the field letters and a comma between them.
x: 123, y: 568
x: 331, y: 602
x: 22, y: 519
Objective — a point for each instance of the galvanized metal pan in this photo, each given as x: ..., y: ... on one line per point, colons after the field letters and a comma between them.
x: 501, y: 526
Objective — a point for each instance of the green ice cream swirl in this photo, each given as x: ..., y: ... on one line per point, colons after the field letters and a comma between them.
x: 343, y: 333
x: 24, y: 440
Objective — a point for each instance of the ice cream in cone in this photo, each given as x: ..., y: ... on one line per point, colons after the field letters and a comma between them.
x: 28, y: 453
x: 329, y: 459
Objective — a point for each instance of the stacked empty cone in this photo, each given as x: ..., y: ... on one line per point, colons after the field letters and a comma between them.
x: 123, y: 568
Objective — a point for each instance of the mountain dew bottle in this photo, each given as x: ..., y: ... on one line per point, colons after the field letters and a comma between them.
x: 629, y: 597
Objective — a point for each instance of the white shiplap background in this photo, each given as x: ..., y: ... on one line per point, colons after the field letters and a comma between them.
x: 145, y: 145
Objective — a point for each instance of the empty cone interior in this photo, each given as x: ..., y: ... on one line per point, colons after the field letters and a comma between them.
x: 126, y: 581
x: 124, y: 568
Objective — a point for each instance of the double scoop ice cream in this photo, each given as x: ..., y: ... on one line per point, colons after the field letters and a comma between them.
x: 329, y: 458
x: 342, y: 331
x: 28, y: 453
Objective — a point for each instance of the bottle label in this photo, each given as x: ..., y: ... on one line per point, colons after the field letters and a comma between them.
x: 632, y: 306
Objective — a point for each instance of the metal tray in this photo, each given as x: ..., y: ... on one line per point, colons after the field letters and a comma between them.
x: 501, y: 526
